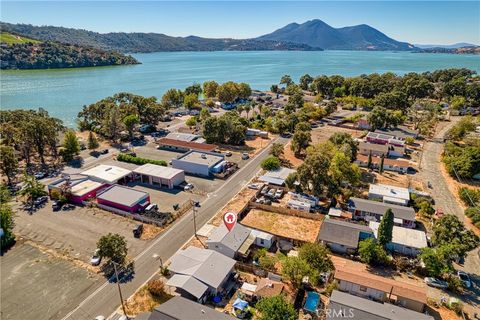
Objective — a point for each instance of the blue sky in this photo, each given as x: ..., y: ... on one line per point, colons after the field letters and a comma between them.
x: 437, y: 22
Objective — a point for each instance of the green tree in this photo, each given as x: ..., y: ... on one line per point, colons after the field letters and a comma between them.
x: 195, y: 89
x: 369, y: 161
x: 7, y: 224
x: 382, y: 160
x: 276, y: 150
x: 113, y: 247
x: 305, y: 81
x: 294, y: 269
x: 112, y: 125
x: 449, y: 230
x: 286, y: 80
x: 5, y: 195
x: 210, y: 88
x: 436, y: 260
x: 316, y: 255
x: 92, y: 141
x: 227, y: 92
x: 371, y: 252
x: 275, y: 308
x: 204, y: 114
x: 71, y: 147
x: 271, y: 163
x: 244, y: 90
x: 274, y: 88
x: 385, y: 228
x: 190, y: 101
x: 8, y: 162
x: 345, y: 143
x: 191, y: 122
x: 32, y: 189
x: 130, y: 122
x: 172, y: 98
x: 300, y: 141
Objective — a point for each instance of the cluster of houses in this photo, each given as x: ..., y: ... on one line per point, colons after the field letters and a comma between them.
x: 385, y: 146
x: 208, y: 274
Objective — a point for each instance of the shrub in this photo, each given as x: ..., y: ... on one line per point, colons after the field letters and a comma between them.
x: 330, y: 287
x: 469, y: 195
x: 156, y: 287
x: 271, y: 163
x: 267, y: 262
x: 137, y: 160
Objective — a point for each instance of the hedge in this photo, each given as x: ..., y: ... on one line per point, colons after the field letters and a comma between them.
x: 137, y: 160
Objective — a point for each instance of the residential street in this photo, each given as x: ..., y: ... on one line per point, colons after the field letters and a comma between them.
x: 445, y: 200
x: 105, y: 300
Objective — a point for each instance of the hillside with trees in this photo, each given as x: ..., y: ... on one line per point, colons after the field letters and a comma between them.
x: 18, y: 52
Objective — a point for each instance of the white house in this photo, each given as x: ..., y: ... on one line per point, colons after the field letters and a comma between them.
x: 404, y: 240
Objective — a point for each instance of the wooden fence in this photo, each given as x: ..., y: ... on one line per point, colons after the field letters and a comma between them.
x: 286, y: 211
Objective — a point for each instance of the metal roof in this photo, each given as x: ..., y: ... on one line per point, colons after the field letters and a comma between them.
x: 208, y: 266
x: 376, y: 207
x: 182, y: 136
x: 364, y: 309
x: 276, y: 177
x: 189, y: 284
x: 107, y: 173
x: 158, y: 171
x: 389, y: 191
x: 404, y: 236
x: 342, y: 232
x: 232, y: 239
x: 122, y: 195
x: 205, y: 158
x: 179, y: 308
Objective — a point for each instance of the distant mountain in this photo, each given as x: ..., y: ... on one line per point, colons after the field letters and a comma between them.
x: 461, y: 50
x: 319, y: 34
x: 446, y: 46
x: 20, y: 52
x: 146, y: 42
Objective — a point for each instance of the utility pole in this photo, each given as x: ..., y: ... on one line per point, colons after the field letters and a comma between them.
x: 119, y: 290
x: 196, y: 205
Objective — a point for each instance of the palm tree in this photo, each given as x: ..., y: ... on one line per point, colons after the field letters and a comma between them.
x: 240, y: 110
x: 32, y: 189
x: 247, y: 109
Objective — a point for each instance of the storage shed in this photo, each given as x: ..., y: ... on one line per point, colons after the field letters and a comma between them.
x: 108, y: 174
x: 198, y: 163
x: 160, y: 176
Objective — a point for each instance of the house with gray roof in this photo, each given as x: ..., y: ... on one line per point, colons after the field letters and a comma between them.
x: 179, y: 308
x: 233, y: 243
x: 346, y: 306
x: 405, y: 241
x: 370, y: 210
x: 343, y: 236
x: 198, y: 273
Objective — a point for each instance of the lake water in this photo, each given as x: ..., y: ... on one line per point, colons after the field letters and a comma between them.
x: 63, y: 92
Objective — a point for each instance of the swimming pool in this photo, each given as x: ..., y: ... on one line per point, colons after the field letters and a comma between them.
x: 312, y: 301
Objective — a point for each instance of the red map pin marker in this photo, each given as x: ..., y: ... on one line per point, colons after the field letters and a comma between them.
x: 229, y: 219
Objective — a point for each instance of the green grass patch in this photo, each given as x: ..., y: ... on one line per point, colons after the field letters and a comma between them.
x: 137, y: 160
x: 10, y: 38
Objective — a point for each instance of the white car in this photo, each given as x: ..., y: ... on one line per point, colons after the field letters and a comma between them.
x: 434, y: 282
x: 189, y: 186
x: 96, y: 258
x: 464, y: 277
x: 254, y: 186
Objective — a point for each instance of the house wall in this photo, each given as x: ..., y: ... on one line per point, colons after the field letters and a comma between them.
x: 174, y: 148
x: 402, y: 249
x: 368, y: 216
x: 133, y: 208
x: 190, y: 167
x: 339, y: 248
x: 361, y: 291
x: 375, y: 153
x: 163, y: 182
x: 411, y: 304
x: 265, y: 243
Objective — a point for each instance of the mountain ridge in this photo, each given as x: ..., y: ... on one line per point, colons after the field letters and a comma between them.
x: 318, y: 33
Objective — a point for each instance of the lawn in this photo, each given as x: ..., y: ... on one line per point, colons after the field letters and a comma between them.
x: 14, y: 39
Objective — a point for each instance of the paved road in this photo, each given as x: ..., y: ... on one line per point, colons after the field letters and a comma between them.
x: 446, y: 201
x: 105, y: 299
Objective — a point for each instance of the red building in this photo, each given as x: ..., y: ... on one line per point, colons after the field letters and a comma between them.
x: 123, y: 198
x: 80, y: 187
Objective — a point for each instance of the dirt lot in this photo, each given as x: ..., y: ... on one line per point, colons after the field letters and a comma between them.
x: 30, y: 278
x: 322, y: 134
x: 74, y: 233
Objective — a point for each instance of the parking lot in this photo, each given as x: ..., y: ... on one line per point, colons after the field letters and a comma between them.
x: 34, y: 283
x: 74, y: 233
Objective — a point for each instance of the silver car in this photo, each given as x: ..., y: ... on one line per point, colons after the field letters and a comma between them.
x: 434, y: 282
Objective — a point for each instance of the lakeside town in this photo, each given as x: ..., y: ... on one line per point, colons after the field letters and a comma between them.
x: 354, y: 196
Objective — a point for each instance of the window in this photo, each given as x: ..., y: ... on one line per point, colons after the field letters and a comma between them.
x: 261, y: 241
x: 363, y: 289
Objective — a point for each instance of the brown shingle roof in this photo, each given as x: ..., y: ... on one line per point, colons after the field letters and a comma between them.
x: 187, y: 144
x: 386, y: 161
x: 268, y: 288
x: 398, y: 288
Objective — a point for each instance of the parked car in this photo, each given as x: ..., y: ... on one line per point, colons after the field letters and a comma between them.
x: 228, y: 154
x: 68, y: 206
x: 465, y: 278
x: 40, y: 200
x: 138, y: 230
x: 264, y: 191
x: 57, y: 205
x: 254, y: 186
x: 40, y: 175
x: 151, y: 207
x: 245, y: 156
x: 271, y: 192
x: 96, y: 258
x: 429, y: 184
x: 188, y: 186
x: 104, y: 151
x: 436, y: 283
x: 278, y: 194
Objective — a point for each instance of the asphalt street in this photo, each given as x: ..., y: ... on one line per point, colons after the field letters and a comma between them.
x: 105, y: 300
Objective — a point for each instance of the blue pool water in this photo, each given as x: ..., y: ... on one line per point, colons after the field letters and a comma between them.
x: 312, y: 301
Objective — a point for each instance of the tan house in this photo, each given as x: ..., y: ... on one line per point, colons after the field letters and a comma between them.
x: 363, y: 284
